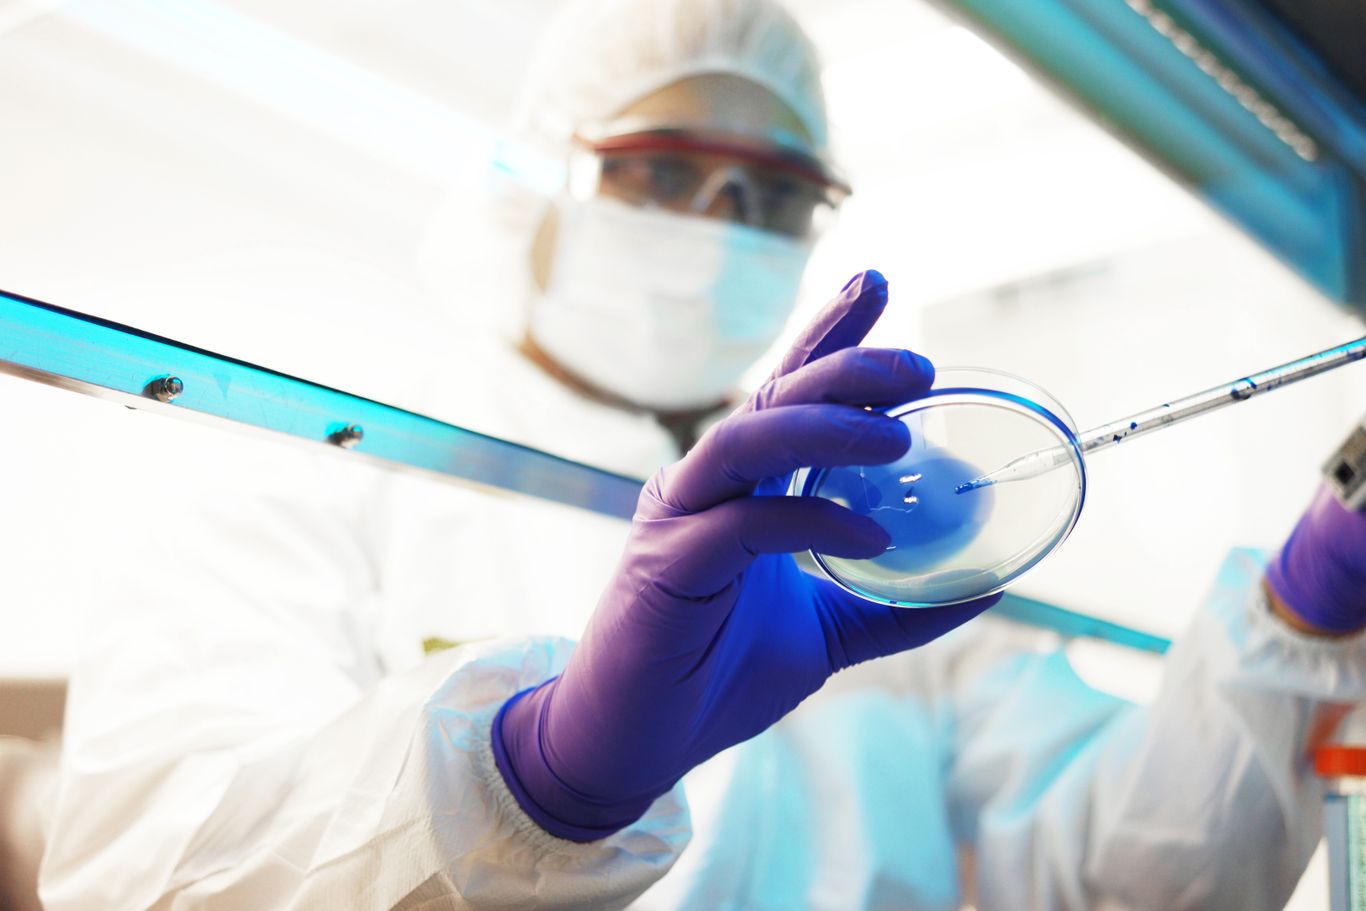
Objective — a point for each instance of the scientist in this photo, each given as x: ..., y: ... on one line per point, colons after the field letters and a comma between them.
x: 246, y: 740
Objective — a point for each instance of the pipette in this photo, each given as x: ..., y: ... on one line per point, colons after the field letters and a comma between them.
x: 1170, y: 413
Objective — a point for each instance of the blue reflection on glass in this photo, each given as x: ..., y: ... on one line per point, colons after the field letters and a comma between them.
x: 914, y: 500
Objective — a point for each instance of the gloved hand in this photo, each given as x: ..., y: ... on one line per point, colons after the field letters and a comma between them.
x: 1320, y: 573
x: 709, y: 633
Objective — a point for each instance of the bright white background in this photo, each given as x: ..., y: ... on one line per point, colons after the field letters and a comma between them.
x: 270, y: 178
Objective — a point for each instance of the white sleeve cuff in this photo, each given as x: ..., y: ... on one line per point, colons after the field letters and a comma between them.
x: 452, y: 832
x: 1267, y: 653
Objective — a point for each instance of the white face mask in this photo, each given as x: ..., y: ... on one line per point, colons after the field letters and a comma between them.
x: 664, y: 310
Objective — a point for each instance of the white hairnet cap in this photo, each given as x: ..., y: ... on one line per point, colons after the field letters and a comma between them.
x: 595, y: 57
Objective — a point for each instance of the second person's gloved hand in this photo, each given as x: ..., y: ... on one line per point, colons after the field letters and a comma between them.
x: 709, y: 632
x: 1320, y: 573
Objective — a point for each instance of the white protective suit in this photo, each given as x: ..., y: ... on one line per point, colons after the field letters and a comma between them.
x: 259, y: 729
x: 257, y: 726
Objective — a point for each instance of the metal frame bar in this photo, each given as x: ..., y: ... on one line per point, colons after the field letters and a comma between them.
x: 1070, y: 624
x: 108, y: 360
x: 90, y: 355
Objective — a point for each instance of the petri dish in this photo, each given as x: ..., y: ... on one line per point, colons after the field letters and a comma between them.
x: 951, y: 545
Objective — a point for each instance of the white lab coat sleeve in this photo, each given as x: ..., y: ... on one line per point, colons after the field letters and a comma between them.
x: 395, y: 802
x: 233, y: 739
x: 1203, y: 799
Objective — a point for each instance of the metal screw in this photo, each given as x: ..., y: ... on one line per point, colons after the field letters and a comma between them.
x: 348, y: 436
x: 165, y: 388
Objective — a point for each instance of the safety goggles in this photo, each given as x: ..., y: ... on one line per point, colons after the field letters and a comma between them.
x: 725, y: 177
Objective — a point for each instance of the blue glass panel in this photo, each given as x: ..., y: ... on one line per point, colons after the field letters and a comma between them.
x: 1224, y: 102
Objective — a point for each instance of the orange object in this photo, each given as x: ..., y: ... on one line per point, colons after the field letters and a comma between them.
x: 1338, y: 760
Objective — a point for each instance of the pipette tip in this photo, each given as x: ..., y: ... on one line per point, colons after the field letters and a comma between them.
x: 973, y: 485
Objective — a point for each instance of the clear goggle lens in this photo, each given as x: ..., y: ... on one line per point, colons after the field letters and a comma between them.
x: 700, y: 184
x: 764, y: 188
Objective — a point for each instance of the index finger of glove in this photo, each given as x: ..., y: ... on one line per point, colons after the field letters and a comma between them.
x: 842, y: 324
x: 747, y: 448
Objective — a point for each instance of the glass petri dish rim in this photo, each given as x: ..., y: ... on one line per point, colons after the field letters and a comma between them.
x: 1053, y: 405
x: 995, y: 398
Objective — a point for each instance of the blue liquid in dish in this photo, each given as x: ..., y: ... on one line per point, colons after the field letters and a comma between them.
x: 915, y: 500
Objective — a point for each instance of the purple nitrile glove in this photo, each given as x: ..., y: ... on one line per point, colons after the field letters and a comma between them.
x: 709, y: 632
x: 1320, y: 573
